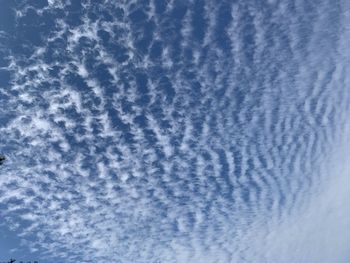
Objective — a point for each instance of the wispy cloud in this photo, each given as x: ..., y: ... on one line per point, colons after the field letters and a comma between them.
x: 173, y: 131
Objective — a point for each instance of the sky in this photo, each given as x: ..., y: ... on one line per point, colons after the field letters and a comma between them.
x: 174, y: 131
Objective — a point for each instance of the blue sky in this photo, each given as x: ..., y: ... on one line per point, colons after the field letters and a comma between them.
x: 175, y: 131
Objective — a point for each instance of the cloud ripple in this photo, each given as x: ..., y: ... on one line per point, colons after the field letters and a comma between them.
x: 176, y: 131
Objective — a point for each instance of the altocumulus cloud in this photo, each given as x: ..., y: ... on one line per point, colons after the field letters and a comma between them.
x: 176, y: 131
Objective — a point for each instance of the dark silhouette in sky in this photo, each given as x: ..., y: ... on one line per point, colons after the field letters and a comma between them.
x: 2, y: 159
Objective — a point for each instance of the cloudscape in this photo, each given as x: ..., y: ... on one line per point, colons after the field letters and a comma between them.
x: 175, y: 131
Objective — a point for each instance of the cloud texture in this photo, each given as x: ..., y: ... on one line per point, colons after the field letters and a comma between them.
x: 176, y: 131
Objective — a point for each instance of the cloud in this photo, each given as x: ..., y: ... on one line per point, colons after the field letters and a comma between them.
x: 227, y: 146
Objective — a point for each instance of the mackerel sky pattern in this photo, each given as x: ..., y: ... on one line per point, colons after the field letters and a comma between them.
x: 175, y: 131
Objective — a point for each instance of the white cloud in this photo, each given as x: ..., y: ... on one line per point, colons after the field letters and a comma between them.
x: 251, y: 137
